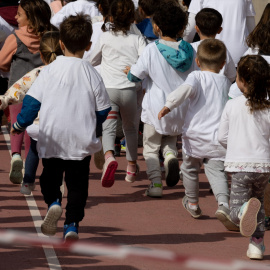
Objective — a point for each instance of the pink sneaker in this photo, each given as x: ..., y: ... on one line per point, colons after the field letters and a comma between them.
x: 109, y: 168
x: 131, y: 176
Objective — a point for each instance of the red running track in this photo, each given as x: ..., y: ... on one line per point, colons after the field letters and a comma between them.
x: 119, y: 215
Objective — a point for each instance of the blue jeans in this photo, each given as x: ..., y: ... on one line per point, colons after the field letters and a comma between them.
x: 31, y: 163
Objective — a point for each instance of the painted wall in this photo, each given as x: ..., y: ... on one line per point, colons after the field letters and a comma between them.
x: 259, y: 7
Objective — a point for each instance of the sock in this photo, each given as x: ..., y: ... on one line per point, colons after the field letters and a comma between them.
x: 156, y: 181
x: 257, y: 240
x: 108, y: 155
x: 131, y: 168
x: 193, y: 206
x: 16, y: 154
x: 224, y: 204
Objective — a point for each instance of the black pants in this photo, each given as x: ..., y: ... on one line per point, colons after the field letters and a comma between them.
x: 76, y: 178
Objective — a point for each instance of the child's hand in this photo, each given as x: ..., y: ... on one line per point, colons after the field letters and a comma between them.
x: 14, y: 132
x: 126, y: 70
x: 163, y: 112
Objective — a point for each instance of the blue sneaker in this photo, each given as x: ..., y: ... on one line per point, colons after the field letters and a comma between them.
x: 71, y: 232
x: 49, y: 225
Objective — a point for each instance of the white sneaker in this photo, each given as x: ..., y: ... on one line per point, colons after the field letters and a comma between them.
x: 154, y: 190
x: 256, y: 248
x: 49, y: 224
x: 171, y: 166
x: 27, y: 188
x: 16, y: 175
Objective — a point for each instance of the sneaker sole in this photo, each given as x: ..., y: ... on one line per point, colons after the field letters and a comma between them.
x: 224, y: 219
x: 173, y: 176
x: 254, y: 256
x: 108, y: 177
x: 71, y: 236
x: 15, y: 174
x: 194, y: 216
x: 49, y: 225
x: 248, y: 222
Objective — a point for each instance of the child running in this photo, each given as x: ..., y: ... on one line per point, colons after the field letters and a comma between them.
x: 49, y: 49
x: 116, y: 49
x: 244, y: 132
x: 72, y: 100
x: 20, y: 55
x: 167, y: 62
x: 207, y: 91
x: 208, y: 25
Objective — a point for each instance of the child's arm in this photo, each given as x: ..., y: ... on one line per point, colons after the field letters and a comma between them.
x: 28, y: 114
x: 224, y: 127
x: 7, y: 52
x: 16, y: 93
x: 176, y: 98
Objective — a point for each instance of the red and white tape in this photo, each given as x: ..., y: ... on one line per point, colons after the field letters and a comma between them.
x: 123, y: 252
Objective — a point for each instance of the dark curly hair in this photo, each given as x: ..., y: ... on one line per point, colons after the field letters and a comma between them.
x: 38, y: 14
x: 104, y: 5
x: 121, y: 15
x: 171, y: 19
x: 255, y: 71
x: 260, y: 36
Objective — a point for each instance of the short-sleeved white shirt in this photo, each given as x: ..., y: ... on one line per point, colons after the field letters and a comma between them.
x: 70, y: 91
x: 73, y: 8
x: 228, y: 70
x: 208, y: 99
x: 115, y: 51
x: 234, y: 13
x: 163, y: 80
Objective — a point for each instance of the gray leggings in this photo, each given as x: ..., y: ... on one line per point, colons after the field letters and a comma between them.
x: 214, y: 170
x: 244, y: 186
x: 125, y: 102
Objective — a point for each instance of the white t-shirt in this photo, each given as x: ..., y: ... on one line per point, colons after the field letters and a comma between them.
x: 207, y: 98
x: 234, y: 13
x: 163, y: 79
x: 234, y: 90
x: 115, y: 51
x: 246, y: 136
x: 228, y: 70
x: 70, y: 91
x: 73, y: 8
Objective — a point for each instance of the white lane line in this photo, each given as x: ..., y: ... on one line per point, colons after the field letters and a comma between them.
x: 51, y: 257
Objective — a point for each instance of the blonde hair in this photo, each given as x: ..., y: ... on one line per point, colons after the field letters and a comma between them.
x: 49, y: 46
x: 211, y: 53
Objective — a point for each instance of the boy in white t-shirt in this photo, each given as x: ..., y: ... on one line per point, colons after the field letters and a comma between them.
x: 238, y: 22
x: 72, y: 100
x: 167, y: 62
x: 207, y: 92
x: 208, y: 25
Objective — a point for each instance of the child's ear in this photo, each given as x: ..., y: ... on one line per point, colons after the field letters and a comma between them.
x: 219, y: 30
x: 197, y: 62
x: 156, y: 29
x: 197, y: 29
x: 62, y: 46
x: 222, y: 64
x: 88, y: 46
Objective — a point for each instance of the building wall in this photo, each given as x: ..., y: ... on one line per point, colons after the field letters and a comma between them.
x: 259, y: 7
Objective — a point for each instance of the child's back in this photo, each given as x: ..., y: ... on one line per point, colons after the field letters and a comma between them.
x: 70, y: 94
x: 207, y: 101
